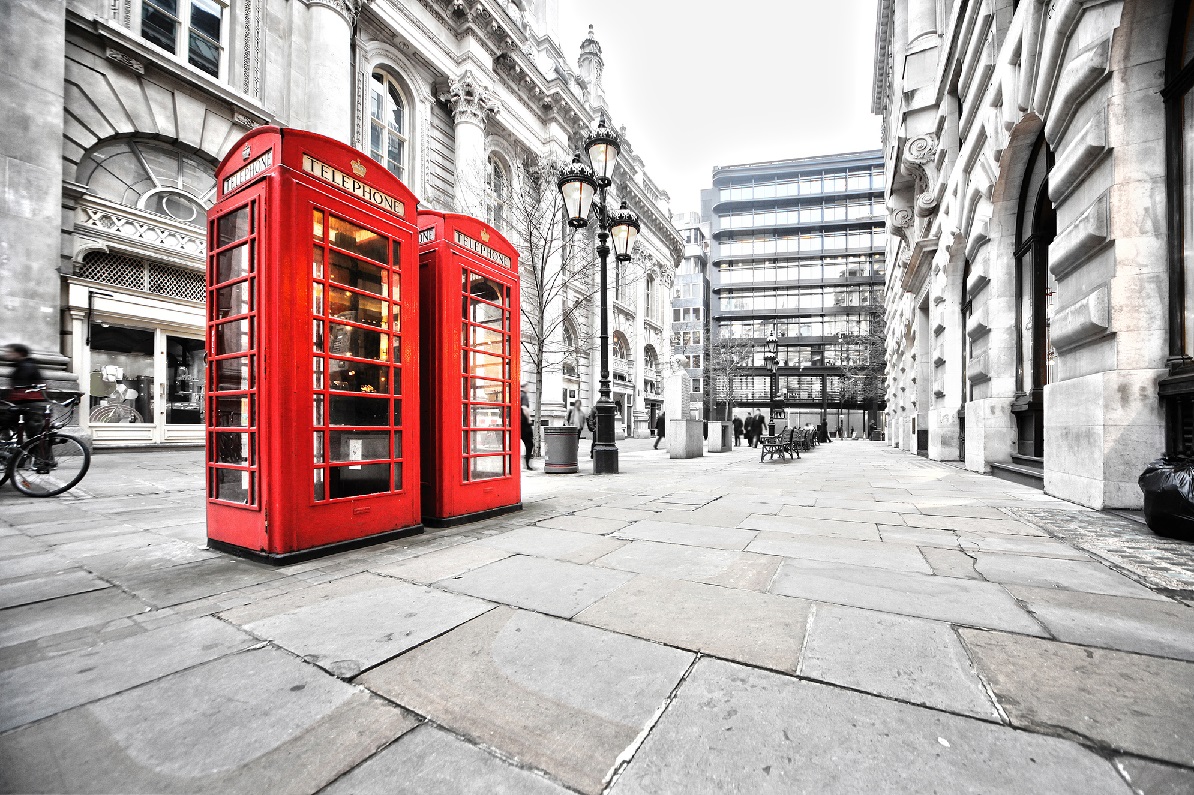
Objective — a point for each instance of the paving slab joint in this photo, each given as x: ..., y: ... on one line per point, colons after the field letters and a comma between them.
x: 627, y: 755
x: 990, y: 691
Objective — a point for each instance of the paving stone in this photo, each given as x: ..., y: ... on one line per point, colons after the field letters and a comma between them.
x: 1106, y: 696
x: 1152, y: 778
x: 899, y: 557
x: 967, y: 511
x: 670, y: 560
x: 951, y: 563
x: 861, y: 502
x: 549, y: 586
x: 547, y: 542
x: 754, y: 628
x: 1007, y: 526
x: 750, y: 572
x: 626, y: 515
x: 159, y: 555
x: 1148, y: 626
x: 919, y: 536
x: 356, y: 622
x: 258, y: 721
x: 443, y: 563
x: 17, y: 546
x: 1073, y: 575
x: 584, y: 524
x: 691, y: 535
x: 912, y: 659
x: 43, y: 688
x: 562, y: 697
x: 980, y: 604
x: 37, y: 588
x: 737, y: 729
x: 689, y: 497
x: 429, y: 761
x: 860, y: 531
x: 859, y: 514
x: 190, y: 581
x: 1018, y: 545
x: 43, y: 619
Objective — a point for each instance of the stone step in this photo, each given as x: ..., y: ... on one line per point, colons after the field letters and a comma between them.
x: 1025, y: 476
x: 1029, y: 462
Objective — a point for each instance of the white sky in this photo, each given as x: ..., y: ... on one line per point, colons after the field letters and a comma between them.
x: 700, y: 83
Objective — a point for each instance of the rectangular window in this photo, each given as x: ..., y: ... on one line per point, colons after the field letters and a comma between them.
x: 190, y: 29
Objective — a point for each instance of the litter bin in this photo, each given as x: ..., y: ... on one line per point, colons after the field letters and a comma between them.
x: 560, y: 443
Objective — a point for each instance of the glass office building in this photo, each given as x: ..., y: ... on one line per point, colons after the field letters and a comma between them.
x: 797, y: 251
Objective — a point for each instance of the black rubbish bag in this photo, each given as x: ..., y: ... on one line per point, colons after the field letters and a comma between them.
x: 1169, y: 498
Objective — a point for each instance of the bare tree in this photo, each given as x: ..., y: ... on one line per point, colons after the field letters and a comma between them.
x: 727, y: 359
x: 865, y: 367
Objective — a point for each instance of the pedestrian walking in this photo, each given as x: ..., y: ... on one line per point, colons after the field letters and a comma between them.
x: 528, y: 430
x: 576, y: 418
x: 591, y: 424
x: 25, y: 373
x: 660, y: 427
x: 760, y: 428
x: 749, y: 427
x: 737, y: 431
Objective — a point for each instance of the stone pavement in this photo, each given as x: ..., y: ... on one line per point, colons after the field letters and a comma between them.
x: 855, y: 621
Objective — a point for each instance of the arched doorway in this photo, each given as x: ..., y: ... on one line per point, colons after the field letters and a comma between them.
x: 1036, y: 226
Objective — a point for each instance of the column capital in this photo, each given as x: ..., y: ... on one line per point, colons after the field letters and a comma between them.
x: 471, y: 100
x: 346, y: 9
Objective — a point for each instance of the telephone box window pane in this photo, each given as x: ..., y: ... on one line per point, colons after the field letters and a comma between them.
x: 358, y: 274
x: 318, y: 224
x: 486, y: 442
x: 356, y: 308
x: 483, y: 391
x: 317, y: 299
x: 232, y: 485
x: 317, y: 335
x: 397, y: 444
x: 317, y: 410
x: 318, y: 381
x: 485, y: 365
x: 397, y: 413
x: 398, y: 381
x: 397, y: 261
x: 485, y: 467
x: 232, y: 448
x: 318, y: 444
x: 233, y: 412
x: 233, y: 227
x: 232, y: 264
x: 347, y: 446
x: 484, y: 339
x: 398, y: 477
x: 486, y: 289
x: 232, y: 375
x: 320, y: 493
x: 235, y: 299
x: 361, y: 343
x: 487, y: 313
x: 317, y: 263
x: 356, y: 240
x: 358, y: 377
x: 351, y: 410
x: 355, y: 481
x: 232, y: 337
x: 487, y: 417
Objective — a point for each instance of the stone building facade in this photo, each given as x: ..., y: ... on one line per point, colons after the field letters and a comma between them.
x: 690, y: 309
x: 119, y: 111
x: 1038, y: 200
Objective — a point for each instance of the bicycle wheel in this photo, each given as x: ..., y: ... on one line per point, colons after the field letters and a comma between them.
x: 48, y: 465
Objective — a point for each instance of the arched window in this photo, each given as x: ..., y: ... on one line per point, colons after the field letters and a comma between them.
x: 497, y: 188
x: 150, y: 176
x: 388, y: 124
x: 620, y: 347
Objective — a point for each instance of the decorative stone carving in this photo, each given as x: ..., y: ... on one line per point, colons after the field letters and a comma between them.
x: 1085, y: 320
x: 1078, y: 241
x: 470, y: 99
x: 919, y: 162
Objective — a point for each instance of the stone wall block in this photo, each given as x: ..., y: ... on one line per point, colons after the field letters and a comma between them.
x: 1078, y: 79
x: 1075, y: 488
x: 1082, y: 150
x: 1090, y: 317
x: 161, y: 102
x: 1089, y: 231
x: 1076, y: 402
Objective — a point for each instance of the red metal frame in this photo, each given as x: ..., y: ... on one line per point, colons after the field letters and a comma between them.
x: 469, y: 343
x: 313, y: 369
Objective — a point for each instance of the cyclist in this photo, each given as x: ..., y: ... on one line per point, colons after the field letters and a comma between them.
x: 27, y: 386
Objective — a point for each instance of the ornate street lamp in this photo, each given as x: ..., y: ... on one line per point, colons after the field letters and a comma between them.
x: 577, y: 183
x: 771, y: 357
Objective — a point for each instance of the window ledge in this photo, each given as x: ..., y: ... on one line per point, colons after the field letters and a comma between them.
x: 110, y: 33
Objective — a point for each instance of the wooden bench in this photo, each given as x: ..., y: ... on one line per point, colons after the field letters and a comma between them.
x: 781, y: 445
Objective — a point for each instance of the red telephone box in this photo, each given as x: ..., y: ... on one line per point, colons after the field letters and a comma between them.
x: 468, y: 291
x: 312, y: 301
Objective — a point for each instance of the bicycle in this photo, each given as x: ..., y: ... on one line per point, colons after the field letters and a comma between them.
x: 46, y: 463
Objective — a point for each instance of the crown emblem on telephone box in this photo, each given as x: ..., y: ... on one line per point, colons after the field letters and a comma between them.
x: 484, y: 236
x: 358, y: 168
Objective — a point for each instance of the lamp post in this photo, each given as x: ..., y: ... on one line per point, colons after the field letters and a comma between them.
x: 577, y: 183
x: 772, y: 358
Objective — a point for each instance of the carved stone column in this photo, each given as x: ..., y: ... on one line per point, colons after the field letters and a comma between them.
x: 329, y: 72
x: 471, y: 102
